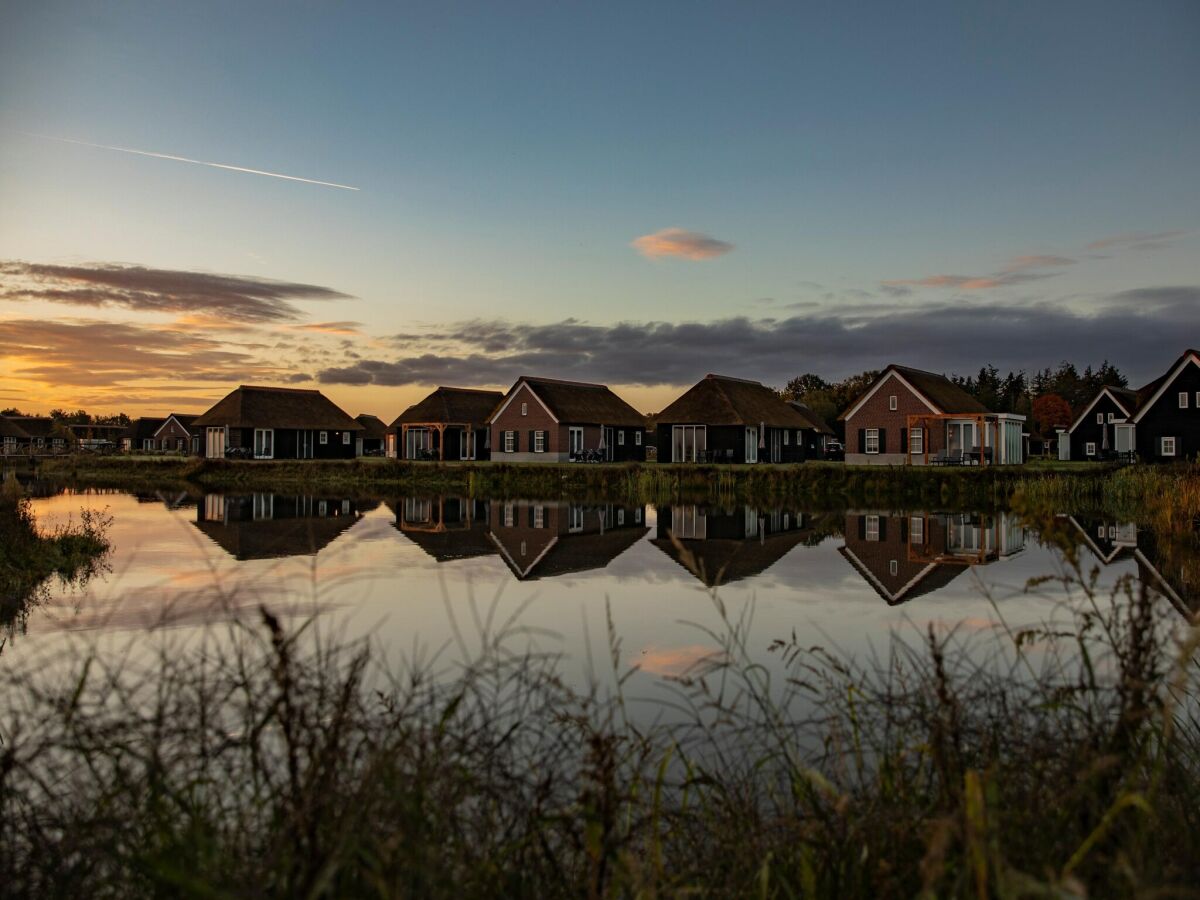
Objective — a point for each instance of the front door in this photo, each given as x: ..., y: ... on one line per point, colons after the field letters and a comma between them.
x: 776, y: 445
x: 751, y: 445
x: 1125, y: 438
x: 304, y: 445
x: 214, y: 443
x: 608, y: 443
x: 576, y: 441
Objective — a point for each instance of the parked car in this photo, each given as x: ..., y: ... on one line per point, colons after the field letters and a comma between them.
x: 835, y: 450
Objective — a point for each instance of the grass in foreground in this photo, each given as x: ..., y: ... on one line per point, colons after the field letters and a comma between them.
x: 267, y: 762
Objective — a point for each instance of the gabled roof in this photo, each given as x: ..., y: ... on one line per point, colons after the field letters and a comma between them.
x: 1148, y: 395
x: 577, y: 402
x: 937, y: 391
x: 142, y: 429
x: 929, y: 580
x: 373, y: 427
x: 570, y: 553
x: 185, y: 420
x: 34, y: 426
x: 721, y: 400
x: 452, y: 405
x: 718, y: 561
x: 10, y: 429
x: 815, y: 422
x: 272, y: 407
x: 1124, y: 398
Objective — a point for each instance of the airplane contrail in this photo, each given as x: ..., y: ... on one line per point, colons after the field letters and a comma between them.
x: 198, y: 162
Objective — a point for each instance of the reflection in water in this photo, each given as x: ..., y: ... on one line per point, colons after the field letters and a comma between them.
x: 270, y: 526
x: 447, y: 528
x: 907, y: 556
x: 542, y: 539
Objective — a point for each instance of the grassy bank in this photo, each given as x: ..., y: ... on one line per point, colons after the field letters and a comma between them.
x: 262, y: 764
x: 819, y: 485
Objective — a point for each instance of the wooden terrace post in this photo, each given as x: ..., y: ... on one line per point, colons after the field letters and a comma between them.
x: 441, y: 430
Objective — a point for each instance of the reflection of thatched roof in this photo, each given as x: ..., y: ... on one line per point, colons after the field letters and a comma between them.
x: 446, y: 546
x: 725, y: 560
x: 582, y: 403
x: 569, y: 553
x: 721, y: 400
x: 275, y: 538
x: 930, y: 580
x: 452, y: 405
x: 272, y: 407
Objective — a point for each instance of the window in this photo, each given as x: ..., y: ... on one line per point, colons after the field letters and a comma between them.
x: 539, y: 442
x: 1089, y: 449
x: 637, y: 515
x: 688, y: 443
x: 508, y: 442
x: 510, y: 515
x: 575, y: 436
x: 892, y: 404
x: 147, y: 443
x: 637, y: 439
x: 263, y: 507
x: 785, y: 437
x: 1099, y: 418
x: 346, y: 437
x: 872, y: 441
x: 264, y: 443
x: 524, y: 409
x: 324, y: 437
x: 916, y: 440
x: 621, y: 438
x: 1110, y: 418
x: 916, y: 530
x: 872, y: 528
x: 1167, y: 446
x: 1183, y: 399
x: 1197, y: 399
x: 893, y: 568
x: 539, y: 516
x: 620, y: 517
x: 575, y: 519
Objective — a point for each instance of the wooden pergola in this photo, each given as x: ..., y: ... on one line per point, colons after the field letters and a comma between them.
x: 437, y: 523
x: 920, y: 555
x: 922, y: 420
x: 440, y: 428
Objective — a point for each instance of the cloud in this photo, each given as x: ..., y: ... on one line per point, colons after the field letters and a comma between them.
x: 341, y: 328
x: 680, y: 242
x: 1021, y: 263
x: 237, y: 298
x: 1018, y: 270
x: 1137, y: 329
x: 1135, y: 240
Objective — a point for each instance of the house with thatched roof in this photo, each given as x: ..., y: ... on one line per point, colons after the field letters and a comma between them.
x: 912, y: 417
x: 278, y: 423
x: 450, y: 424
x: 45, y: 434
x: 13, y: 438
x: 731, y: 420
x: 273, y: 526
x: 547, y: 420
x: 546, y: 539
x: 372, y: 438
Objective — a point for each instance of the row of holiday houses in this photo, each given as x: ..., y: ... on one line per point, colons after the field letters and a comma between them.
x: 906, y: 417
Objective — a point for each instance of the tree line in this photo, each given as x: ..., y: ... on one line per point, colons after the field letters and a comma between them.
x: 72, y: 417
x: 1050, y: 398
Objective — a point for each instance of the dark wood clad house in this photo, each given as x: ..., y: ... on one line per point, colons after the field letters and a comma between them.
x: 817, y: 432
x: 278, y: 423
x: 178, y: 434
x: 912, y: 417
x: 45, y: 435
x: 374, y: 434
x: 546, y: 420
x: 723, y: 419
x: 139, y: 434
x: 721, y: 546
x: 447, y: 528
x: 1159, y: 422
x: 272, y: 526
x: 13, y: 438
x: 450, y: 424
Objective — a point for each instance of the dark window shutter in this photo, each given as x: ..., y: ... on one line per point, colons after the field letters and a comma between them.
x: 904, y: 529
x: 530, y: 515
x: 532, y: 442
x: 862, y: 440
x: 883, y: 520
x: 862, y: 528
x: 883, y: 440
x: 903, y: 440
x: 516, y: 441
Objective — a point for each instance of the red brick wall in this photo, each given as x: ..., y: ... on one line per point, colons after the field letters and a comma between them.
x: 875, y: 414
x: 895, y: 543
x: 537, y: 419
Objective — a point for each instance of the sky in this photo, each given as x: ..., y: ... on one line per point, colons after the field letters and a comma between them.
x: 631, y: 194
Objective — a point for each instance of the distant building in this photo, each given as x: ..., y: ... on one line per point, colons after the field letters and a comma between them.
x: 278, y: 423
x: 373, y: 436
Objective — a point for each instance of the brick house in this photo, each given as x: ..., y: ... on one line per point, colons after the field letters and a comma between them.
x: 543, y: 539
x: 911, y: 417
x: 546, y: 420
x: 177, y: 434
x: 278, y: 423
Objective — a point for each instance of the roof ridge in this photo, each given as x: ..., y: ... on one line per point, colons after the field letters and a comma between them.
x: 264, y: 387
x: 585, y: 384
x: 716, y: 377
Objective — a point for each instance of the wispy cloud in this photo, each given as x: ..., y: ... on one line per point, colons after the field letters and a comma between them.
x: 1136, y: 240
x: 197, y: 162
x: 681, y: 243
x: 236, y: 298
x: 1018, y: 270
x: 342, y: 328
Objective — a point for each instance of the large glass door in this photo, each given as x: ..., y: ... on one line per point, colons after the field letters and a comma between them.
x: 688, y: 443
x: 751, y: 445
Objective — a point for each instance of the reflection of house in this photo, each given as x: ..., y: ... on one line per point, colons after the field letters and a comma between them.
x: 723, y: 419
x: 546, y: 420
x: 720, y: 546
x: 544, y: 539
x: 267, y: 526
x: 278, y: 423
x: 1159, y: 422
x: 913, y: 417
x: 447, y: 528
x: 907, y: 556
x: 449, y: 424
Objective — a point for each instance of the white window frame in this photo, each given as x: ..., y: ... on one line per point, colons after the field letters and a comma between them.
x: 871, y: 528
x: 323, y: 437
x: 699, y: 433
x: 574, y: 518
x: 524, y: 409
x: 637, y: 439
x: 1111, y: 417
x: 539, y: 442
x: 1183, y: 399
x: 575, y: 446
x: 893, y: 402
x: 147, y: 443
x: 620, y: 516
x: 916, y: 530
x: 539, y: 516
x: 259, y: 444
x: 1089, y: 449
x: 786, y: 436
x: 510, y: 515
x: 621, y: 437
x: 751, y: 444
x: 1164, y: 443
x: 1099, y: 418
x: 871, y: 437
x: 893, y: 567
x: 916, y: 440
x: 508, y: 441
x: 346, y: 438
x: 1197, y: 399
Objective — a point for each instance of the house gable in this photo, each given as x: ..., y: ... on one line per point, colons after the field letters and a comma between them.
x: 1104, y: 392
x: 513, y: 394
x: 1191, y: 358
x: 891, y: 375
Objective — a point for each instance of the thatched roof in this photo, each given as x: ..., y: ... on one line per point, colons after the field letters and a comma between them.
x: 373, y: 427
x: 10, y: 429
x: 34, y: 426
x: 452, y: 405
x: 578, y: 402
x: 272, y: 407
x: 142, y: 429
x: 815, y: 422
x: 939, y: 390
x: 721, y: 400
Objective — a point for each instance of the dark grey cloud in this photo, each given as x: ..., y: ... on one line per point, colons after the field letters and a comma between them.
x: 236, y: 298
x: 1140, y: 330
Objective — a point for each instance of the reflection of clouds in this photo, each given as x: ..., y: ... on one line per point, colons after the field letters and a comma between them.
x: 672, y: 662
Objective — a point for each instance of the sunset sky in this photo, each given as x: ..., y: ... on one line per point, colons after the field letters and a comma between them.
x: 635, y: 194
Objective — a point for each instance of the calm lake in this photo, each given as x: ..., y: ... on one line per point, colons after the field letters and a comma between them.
x: 432, y: 577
